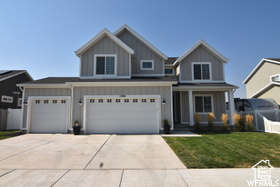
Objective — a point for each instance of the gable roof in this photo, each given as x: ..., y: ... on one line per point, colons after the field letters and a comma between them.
x: 7, y: 74
x: 207, y: 46
x: 270, y: 60
x: 125, y: 26
x: 100, y: 35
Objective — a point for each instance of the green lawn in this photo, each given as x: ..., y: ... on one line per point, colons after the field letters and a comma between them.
x: 233, y: 150
x: 9, y: 134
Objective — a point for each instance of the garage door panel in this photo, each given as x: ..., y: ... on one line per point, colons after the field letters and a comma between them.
x: 48, y: 117
x: 122, y: 115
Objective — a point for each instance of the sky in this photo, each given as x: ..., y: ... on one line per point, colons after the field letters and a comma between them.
x: 40, y: 36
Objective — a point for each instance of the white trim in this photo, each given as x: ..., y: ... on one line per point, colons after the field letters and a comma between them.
x: 27, y: 74
x: 29, y: 111
x: 206, y: 81
x: 129, y: 65
x: 80, y: 66
x: 43, y: 85
x: 86, y: 97
x: 201, y: 80
x: 201, y: 42
x: 256, y: 68
x: 264, y: 88
x: 105, y: 75
x: 203, y: 95
x: 125, y: 26
x: 5, y: 99
x: 171, y: 105
x: 98, y: 37
x: 147, y: 75
x: 150, y: 61
x: 118, y: 84
x: 191, y: 107
x: 23, y: 108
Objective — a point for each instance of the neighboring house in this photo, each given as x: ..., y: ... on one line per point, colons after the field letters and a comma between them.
x: 126, y: 85
x: 264, y: 80
x: 10, y: 94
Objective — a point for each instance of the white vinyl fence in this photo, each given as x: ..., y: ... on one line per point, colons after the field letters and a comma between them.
x: 265, y: 120
x: 14, y: 118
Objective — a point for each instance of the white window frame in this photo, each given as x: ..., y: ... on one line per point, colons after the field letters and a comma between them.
x: 203, y: 95
x: 141, y: 64
x: 5, y: 99
x: 273, y: 77
x: 171, y: 73
x: 95, y: 64
x: 210, y: 72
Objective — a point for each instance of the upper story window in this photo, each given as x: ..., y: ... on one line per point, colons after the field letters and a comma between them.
x: 169, y: 71
x: 275, y: 78
x: 105, y: 64
x: 147, y: 65
x: 201, y: 70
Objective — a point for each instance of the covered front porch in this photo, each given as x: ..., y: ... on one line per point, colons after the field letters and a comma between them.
x: 203, y: 99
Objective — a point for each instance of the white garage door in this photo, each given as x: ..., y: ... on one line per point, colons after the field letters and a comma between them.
x: 49, y: 116
x: 122, y: 115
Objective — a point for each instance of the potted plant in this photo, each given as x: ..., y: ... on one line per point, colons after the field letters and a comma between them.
x: 76, y: 128
x: 166, y: 126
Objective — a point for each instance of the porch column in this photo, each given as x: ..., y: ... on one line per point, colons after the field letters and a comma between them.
x: 191, y: 107
x: 231, y: 106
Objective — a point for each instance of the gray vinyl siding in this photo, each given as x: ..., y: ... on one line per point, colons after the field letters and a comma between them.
x: 105, y: 46
x: 141, y: 52
x: 261, y: 78
x: 163, y: 91
x: 43, y: 92
x: 200, y: 54
x: 218, y: 105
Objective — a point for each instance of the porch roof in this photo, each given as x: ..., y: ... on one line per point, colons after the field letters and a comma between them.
x: 204, y: 87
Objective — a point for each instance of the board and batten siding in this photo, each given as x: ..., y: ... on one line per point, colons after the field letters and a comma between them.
x: 218, y: 105
x: 43, y: 92
x: 261, y: 78
x: 201, y: 54
x: 105, y: 46
x: 142, y: 52
x: 163, y: 91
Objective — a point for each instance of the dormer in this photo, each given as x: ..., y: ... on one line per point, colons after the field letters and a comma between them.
x: 105, y: 57
x: 147, y: 59
x: 201, y: 64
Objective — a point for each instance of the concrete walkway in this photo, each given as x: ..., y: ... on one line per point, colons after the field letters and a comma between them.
x: 105, y: 160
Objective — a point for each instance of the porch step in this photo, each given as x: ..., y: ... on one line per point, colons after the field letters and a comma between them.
x: 181, y: 127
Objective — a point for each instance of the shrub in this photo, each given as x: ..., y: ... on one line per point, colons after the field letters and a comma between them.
x: 197, y: 122
x: 236, y: 118
x: 242, y: 124
x: 249, y: 123
x: 211, y: 117
x: 225, y: 125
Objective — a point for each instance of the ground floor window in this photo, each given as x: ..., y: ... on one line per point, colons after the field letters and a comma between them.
x: 203, y: 104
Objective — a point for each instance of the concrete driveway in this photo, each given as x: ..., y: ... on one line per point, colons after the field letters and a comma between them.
x: 105, y: 160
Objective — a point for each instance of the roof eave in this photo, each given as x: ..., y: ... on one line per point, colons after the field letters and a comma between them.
x: 100, y: 35
x: 125, y: 26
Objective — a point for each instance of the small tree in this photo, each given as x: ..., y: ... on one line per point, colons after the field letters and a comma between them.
x: 236, y: 118
x: 211, y: 117
x: 249, y: 123
x: 197, y: 122
x: 225, y: 124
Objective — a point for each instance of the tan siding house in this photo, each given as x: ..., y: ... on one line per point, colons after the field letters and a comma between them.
x: 264, y: 80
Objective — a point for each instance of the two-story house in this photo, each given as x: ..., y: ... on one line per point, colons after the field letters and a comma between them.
x: 264, y: 80
x: 126, y: 85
